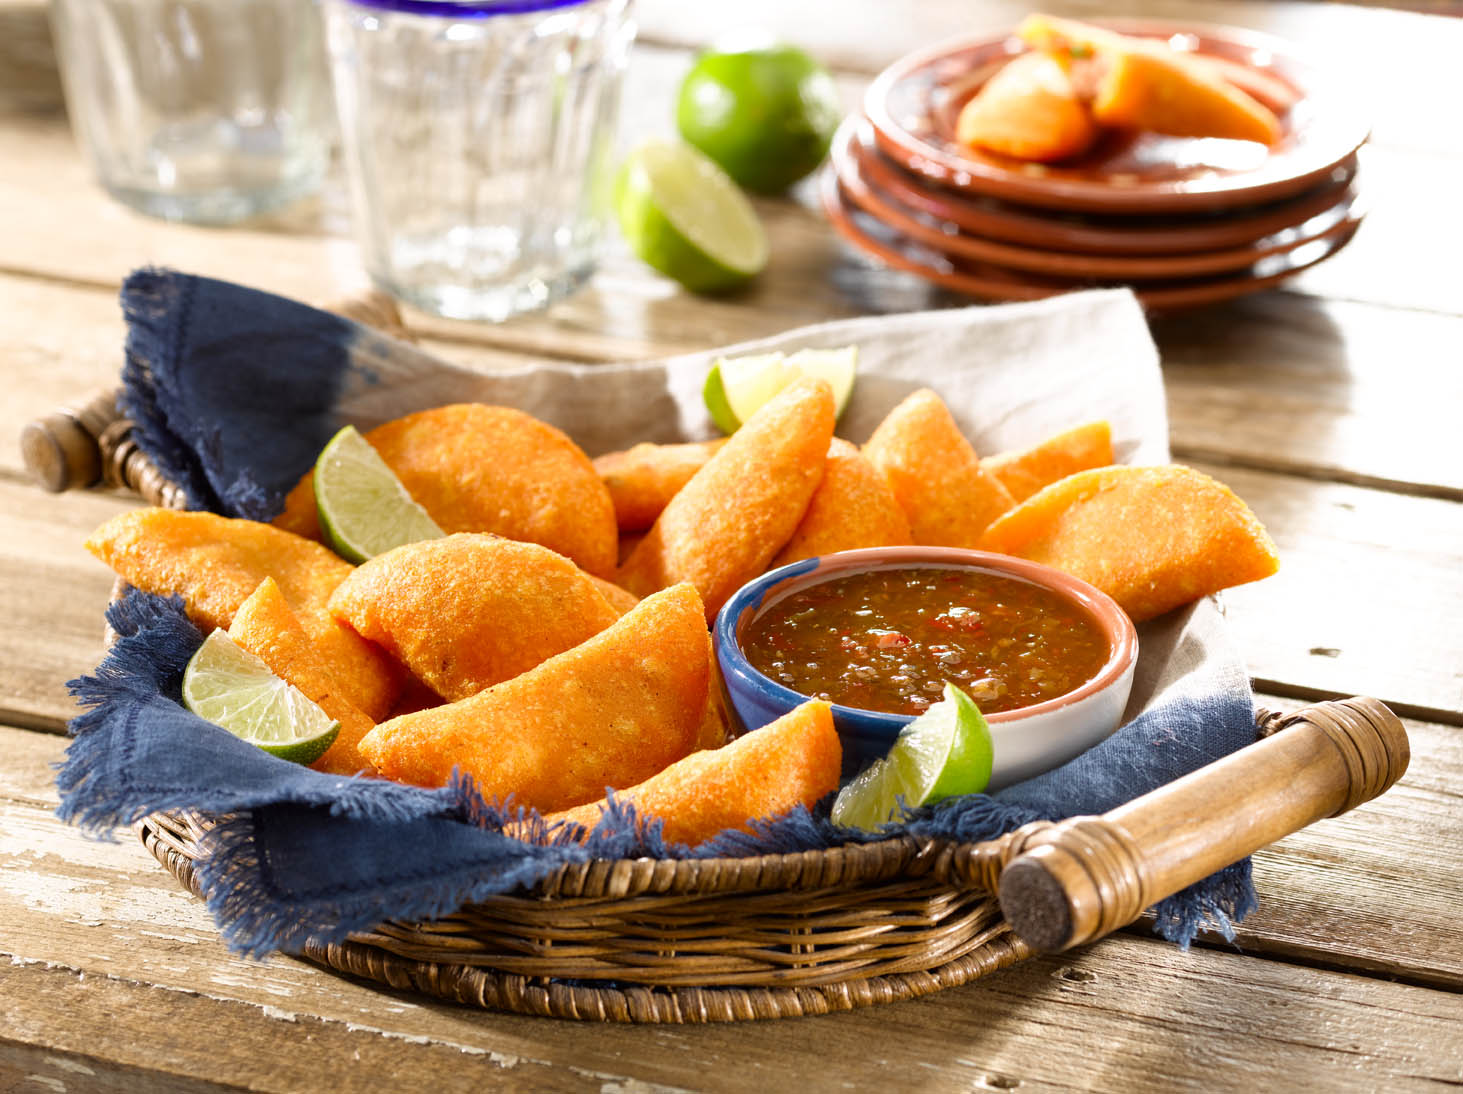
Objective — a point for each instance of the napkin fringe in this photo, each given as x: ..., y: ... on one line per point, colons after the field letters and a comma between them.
x: 138, y: 679
x: 256, y: 919
x: 1217, y: 903
x: 155, y: 640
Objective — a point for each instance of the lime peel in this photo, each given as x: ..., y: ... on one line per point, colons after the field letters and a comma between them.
x: 737, y: 387
x: 227, y: 685
x: 363, y: 507
x: 945, y: 752
x: 682, y: 215
x: 765, y: 112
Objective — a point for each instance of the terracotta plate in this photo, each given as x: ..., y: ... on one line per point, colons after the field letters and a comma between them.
x: 913, y: 104
x: 944, y: 236
x: 990, y: 282
x: 1086, y: 233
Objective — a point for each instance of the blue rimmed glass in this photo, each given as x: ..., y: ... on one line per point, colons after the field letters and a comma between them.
x: 477, y: 140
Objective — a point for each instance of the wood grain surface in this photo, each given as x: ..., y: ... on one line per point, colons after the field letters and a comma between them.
x: 1330, y: 406
x: 104, y: 916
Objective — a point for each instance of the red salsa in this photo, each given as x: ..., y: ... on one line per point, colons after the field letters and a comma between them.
x: 888, y: 640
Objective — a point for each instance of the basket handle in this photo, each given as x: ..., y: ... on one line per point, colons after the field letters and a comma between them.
x: 63, y: 450
x: 1087, y: 876
x: 77, y: 446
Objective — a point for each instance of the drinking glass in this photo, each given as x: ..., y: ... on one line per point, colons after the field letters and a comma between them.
x: 200, y: 110
x: 477, y: 139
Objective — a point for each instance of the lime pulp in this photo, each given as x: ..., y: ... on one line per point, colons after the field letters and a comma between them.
x: 364, y: 509
x: 737, y: 387
x: 230, y: 687
x: 945, y: 752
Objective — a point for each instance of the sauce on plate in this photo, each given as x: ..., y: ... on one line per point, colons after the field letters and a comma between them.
x: 889, y: 639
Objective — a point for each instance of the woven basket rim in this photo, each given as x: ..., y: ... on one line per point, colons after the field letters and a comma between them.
x: 963, y: 863
x: 380, y: 956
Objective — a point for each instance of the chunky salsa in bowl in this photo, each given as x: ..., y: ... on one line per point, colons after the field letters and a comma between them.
x: 1047, y: 658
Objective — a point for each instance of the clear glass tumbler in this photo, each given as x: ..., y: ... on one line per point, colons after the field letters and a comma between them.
x: 478, y: 139
x: 200, y: 110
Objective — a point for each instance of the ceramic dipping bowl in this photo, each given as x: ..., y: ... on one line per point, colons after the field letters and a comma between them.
x: 1028, y: 740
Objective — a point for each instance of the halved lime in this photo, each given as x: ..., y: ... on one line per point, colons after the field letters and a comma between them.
x: 682, y: 215
x: 946, y: 751
x: 364, y: 510
x: 737, y: 387
x: 230, y: 687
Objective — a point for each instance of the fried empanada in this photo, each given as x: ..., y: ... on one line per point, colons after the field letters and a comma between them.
x: 643, y: 478
x: 792, y: 761
x: 853, y: 507
x: 214, y: 563
x: 608, y: 713
x: 1028, y: 110
x: 935, y: 474
x: 622, y: 600
x: 299, y: 514
x: 479, y: 468
x: 1152, y: 538
x: 716, y: 722
x: 469, y: 611
x: 267, y: 627
x: 1136, y: 82
x: 724, y: 526
x: 1078, y: 449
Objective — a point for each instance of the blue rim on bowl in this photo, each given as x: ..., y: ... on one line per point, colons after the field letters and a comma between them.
x: 1028, y: 740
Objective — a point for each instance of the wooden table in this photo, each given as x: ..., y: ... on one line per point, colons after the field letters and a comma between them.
x: 1332, y: 406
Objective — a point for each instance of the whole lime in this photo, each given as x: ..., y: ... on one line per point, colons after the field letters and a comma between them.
x: 765, y: 114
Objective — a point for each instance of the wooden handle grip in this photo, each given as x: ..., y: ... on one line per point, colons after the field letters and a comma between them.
x: 1087, y: 876
x: 62, y: 450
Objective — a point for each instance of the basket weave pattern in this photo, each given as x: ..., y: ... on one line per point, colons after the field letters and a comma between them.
x: 697, y: 940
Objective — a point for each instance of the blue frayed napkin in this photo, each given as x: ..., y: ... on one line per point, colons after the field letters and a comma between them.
x: 235, y: 391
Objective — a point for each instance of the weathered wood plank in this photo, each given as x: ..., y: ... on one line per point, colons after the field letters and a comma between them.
x: 1372, y: 890
x: 67, y: 340
x: 79, y: 235
x: 1321, y: 389
x: 1363, y: 576
x: 64, y: 1030
x: 98, y: 929
x: 1375, y: 888
x: 61, y: 225
x: 1111, y: 1019
x: 54, y: 593
x: 29, y: 77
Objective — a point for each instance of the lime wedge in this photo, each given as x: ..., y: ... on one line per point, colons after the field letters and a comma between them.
x: 737, y: 387
x: 230, y: 687
x: 944, y: 752
x: 364, y: 510
x: 682, y: 215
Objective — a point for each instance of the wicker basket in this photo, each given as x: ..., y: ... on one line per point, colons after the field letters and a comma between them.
x: 642, y: 940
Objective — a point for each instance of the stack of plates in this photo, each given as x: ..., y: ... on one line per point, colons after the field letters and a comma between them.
x: 1184, y: 222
